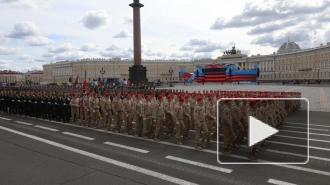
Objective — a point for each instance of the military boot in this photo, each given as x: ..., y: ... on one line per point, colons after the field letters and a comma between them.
x: 202, y: 144
x: 226, y: 151
x: 252, y: 157
x: 178, y: 142
x: 198, y: 147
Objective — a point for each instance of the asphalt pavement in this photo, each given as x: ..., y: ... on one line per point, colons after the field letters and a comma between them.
x: 35, y: 151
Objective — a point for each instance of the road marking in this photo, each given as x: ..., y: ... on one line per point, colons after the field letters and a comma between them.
x: 104, y: 159
x: 24, y: 123
x: 293, y: 154
x: 289, y: 90
x: 304, y: 132
x: 277, y: 182
x: 127, y: 147
x: 46, y: 128
x: 304, y: 169
x: 76, y: 135
x: 306, y: 128
x: 5, y: 119
x: 318, y: 140
x: 184, y: 146
x: 225, y: 170
x: 324, y: 100
x: 303, y: 146
x: 309, y: 124
x: 298, y: 155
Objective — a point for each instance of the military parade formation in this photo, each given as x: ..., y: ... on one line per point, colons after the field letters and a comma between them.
x: 155, y: 114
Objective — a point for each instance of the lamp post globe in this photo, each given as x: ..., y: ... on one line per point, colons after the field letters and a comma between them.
x: 102, y: 71
x: 171, y: 73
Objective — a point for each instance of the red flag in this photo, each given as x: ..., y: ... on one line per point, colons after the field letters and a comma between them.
x: 98, y: 81
x: 85, y: 85
x: 75, y: 83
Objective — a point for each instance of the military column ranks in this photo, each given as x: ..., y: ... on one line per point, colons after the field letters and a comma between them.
x: 155, y: 113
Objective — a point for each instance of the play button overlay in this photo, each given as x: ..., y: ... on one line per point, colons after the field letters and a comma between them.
x: 263, y: 130
x: 259, y: 131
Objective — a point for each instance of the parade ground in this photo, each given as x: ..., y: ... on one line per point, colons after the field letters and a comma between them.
x: 36, y: 151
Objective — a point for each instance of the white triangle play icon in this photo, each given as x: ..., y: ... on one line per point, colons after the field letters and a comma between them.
x: 259, y: 131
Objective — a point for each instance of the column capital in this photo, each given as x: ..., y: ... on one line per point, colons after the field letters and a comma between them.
x: 136, y: 4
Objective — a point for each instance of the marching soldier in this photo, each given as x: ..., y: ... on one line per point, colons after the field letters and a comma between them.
x: 87, y: 110
x: 82, y: 114
x: 199, y: 122
x: 210, y: 119
x: 147, y: 119
x: 186, y: 117
x: 74, y: 103
x: 108, y: 118
x: 138, y: 109
x: 237, y: 126
x: 179, y: 124
x: 229, y: 136
x: 95, y: 108
x: 118, y: 108
x: 159, y: 114
x: 252, y: 112
x: 168, y: 108
x: 102, y: 101
x: 90, y: 109
x: 128, y: 115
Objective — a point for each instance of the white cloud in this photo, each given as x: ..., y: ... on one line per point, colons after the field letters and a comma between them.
x: 124, y: 33
x: 128, y: 20
x: 258, y: 27
x: 96, y: 19
x: 5, y: 64
x: 42, y: 60
x: 199, y: 45
x: 62, y: 48
x: 117, y: 52
x: 24, y: 29
x: 149, y: 53
x: 48, y: 55
x: 3, y: 39
x: 40, y: 41
x: 29, y: 4
x: 70, y: 55
x: 113, y: 47
x: 27, y: 58
x: 8, y: 51
x: 89, y: 47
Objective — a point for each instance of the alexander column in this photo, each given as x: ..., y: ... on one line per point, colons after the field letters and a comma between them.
x: 137, y: 73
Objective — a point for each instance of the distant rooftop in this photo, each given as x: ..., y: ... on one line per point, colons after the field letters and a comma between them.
x: 288, y: 47
x: 9, y: 72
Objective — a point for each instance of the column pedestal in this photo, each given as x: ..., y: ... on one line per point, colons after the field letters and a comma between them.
x: 138, y: 74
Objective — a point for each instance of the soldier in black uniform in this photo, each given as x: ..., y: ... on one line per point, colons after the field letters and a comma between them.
x: 50, y: 106
x: 1, y: 100
x: 30, y: 103
x: 26, y: 104
x: 57, y: 107
x: 43, y: 109
x: 11, y: 102
x: 66, y: 108
x: 20, y: 103
x: 37, y: 104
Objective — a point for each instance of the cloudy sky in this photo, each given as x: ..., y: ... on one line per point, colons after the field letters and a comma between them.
x: 36, y: 32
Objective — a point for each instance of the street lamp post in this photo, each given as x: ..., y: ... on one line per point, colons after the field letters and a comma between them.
x: 102, y: 73
x: 318, y: 75
x: 171, y: 73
